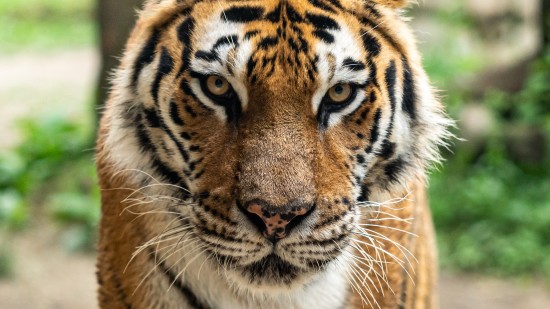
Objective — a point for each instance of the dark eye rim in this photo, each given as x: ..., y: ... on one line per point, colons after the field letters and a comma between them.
x: 229, y: 97
x: 330, y: 106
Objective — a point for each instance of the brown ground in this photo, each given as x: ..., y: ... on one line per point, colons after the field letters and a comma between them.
x: 48, y: 277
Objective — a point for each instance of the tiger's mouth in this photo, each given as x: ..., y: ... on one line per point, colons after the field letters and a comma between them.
x: 274, y: 272
x: 271, y: 270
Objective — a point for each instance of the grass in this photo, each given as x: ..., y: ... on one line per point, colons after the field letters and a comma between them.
x: 46, y: 24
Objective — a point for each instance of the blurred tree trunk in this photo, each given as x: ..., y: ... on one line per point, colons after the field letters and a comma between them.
x: 116, y: 19
x: 546, y: 21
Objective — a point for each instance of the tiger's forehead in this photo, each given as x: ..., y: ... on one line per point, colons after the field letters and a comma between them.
x: 247, y: 41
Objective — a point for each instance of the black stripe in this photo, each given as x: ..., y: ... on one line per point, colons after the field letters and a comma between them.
x: 320, y: 5
x: 146, y: 145
x: 185, y: 290
x: 185, y: 30
x: 267, y: 42
x: 293, y: 16
x: 388, y: 149
x: 166, y: 65
x: 174, y: 114
x: 377, y: 28
x: 337, y: 4
x: 374, y: 131
x: 373, y: 72
x: 322, y: 22
x: 184, y: 154
x: 324, y: 36
x: 371, y: 44
x: 409, y: 92
x: 152, y: 118
x: 210, y: 56
x: 275, y: 15
x: 391, y: 79
x: 365, y: 192
x: 242, y: 14
x: 394, y: 168
x: 227, y: 40
x: 371, y: 7
x: 353, y: 65
x: 250, y: 34
x: 146, y: 56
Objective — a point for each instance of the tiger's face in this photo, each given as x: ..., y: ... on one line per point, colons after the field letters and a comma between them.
x: 276, y: 122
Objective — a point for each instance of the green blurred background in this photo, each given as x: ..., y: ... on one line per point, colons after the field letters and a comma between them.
x: 490, y: 199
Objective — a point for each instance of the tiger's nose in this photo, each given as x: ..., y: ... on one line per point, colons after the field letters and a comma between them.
x: 273, y: 222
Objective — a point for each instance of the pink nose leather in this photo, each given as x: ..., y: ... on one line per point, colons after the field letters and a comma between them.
x: 275, y: 222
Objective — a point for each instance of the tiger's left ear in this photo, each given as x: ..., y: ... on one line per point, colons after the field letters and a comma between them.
x: 396, y: 4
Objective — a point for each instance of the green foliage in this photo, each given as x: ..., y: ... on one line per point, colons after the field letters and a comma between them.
x: 53, y: 164
x: 35, y: 24
x: 6, y: 264
x: 491, y: 208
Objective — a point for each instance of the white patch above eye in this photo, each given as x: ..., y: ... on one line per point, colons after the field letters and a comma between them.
x: 332, y: 69
x: 231, y: 58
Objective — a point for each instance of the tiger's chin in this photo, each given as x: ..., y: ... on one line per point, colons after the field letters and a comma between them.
x: 272, y: 274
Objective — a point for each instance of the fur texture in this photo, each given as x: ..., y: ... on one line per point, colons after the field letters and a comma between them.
x: 179, y: 168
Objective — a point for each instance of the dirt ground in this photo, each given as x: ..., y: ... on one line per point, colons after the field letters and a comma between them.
x: 47, y: 277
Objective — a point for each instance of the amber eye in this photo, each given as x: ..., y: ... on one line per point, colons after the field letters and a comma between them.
x: 340, y: 93
x: 217, y: 85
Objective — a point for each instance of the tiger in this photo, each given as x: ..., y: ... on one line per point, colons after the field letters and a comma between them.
x: 269, y: 154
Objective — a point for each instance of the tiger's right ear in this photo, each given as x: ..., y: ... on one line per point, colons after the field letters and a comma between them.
x: 396, y: 4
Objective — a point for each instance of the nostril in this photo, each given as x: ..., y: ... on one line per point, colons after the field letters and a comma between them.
x: 275, y: 222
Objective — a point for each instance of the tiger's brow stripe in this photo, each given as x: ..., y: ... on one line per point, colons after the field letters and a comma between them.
x: 322, y: 6
x: 227, y: 40
x: 353, y: 65
x: 209, y: 56
x: 322, y: 22
x: 243, y: 14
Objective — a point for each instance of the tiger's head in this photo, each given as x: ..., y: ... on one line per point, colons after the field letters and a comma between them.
x: 268, y: 126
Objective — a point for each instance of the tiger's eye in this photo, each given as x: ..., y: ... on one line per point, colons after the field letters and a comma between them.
x: 217, y: 85
x: 340, y: 93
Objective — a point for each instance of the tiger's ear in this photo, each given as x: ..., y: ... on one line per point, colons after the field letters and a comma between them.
x: 396, y: 4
